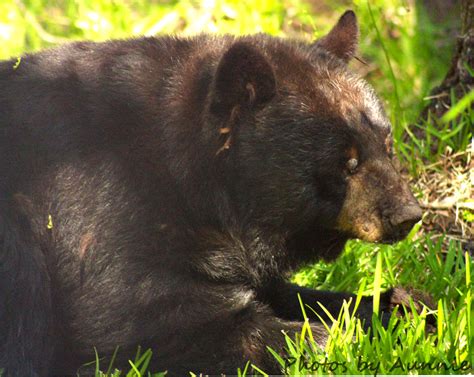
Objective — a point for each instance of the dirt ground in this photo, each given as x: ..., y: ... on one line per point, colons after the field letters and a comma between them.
x: 447, y: 198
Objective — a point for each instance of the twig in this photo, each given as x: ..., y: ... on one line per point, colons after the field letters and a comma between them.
x: 428, y: 98
x: 449, y: 157
x: 440, y: 206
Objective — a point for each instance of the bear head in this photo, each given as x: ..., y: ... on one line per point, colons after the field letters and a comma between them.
x: 308, y: 140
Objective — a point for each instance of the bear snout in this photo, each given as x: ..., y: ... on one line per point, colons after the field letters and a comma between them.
x: 403, y: 220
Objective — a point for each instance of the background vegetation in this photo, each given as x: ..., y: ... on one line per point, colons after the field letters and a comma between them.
x: 405, y: 51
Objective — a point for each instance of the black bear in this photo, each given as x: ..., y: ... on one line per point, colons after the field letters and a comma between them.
x: 158, y: 192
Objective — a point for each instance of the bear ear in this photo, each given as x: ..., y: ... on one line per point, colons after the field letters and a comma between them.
x: 244, y: 77
x: 343, y: 39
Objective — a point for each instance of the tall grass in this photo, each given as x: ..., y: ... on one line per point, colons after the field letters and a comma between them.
x: 404, y: 346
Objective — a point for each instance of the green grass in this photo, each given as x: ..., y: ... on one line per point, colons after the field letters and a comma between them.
x: 407, y: 55
x: 138, y: 367
x: 404, y: 346
x: 450, y: 133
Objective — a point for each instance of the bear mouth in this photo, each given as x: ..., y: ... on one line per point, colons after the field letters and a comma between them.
x: 391, y: 240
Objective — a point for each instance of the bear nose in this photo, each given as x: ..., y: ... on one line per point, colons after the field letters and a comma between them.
x: 404, y: 219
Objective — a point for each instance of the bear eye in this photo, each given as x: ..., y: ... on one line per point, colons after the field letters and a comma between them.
x: 352, y: 165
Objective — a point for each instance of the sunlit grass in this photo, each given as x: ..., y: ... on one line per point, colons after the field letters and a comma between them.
x: 138, y: 366
x: 404, y: 346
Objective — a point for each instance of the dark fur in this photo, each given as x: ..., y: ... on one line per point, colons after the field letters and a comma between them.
x: 184, y: 180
